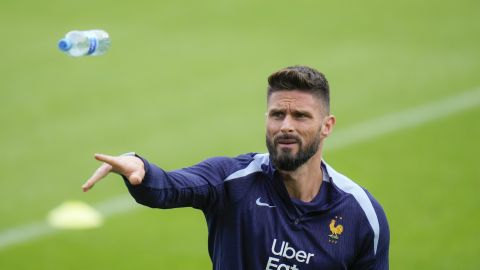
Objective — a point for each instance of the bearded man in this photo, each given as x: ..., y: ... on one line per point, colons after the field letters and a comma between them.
x: 285, y: 210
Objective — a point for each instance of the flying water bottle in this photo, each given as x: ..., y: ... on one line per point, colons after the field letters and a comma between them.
x: 83, y: 43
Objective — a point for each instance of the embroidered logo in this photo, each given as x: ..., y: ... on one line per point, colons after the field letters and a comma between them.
x: 336, y: 230
x: 259, y: 203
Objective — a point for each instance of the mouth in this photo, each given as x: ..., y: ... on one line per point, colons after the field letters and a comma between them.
x: 286, y: 141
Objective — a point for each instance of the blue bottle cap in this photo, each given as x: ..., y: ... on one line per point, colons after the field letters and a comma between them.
x: 64, y: 44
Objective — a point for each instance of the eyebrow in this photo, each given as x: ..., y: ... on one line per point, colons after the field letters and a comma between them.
x: 307, y: 113
x: 275, y: 110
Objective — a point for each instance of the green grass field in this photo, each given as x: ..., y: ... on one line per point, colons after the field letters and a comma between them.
x: 185, y: 80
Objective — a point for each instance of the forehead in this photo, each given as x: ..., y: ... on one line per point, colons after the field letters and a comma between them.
x: 294, y: 99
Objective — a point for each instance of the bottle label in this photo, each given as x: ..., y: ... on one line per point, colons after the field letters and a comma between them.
x: 93, y: 45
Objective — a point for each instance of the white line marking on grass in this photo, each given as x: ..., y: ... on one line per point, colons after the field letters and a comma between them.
x: 24, y: 233
x: 116, y: 205
x: 342, y: 138
x: 403, y: 119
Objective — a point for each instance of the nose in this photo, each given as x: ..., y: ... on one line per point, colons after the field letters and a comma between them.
x: 287, y: 125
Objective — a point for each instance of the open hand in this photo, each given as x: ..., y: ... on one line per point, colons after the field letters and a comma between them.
x: 127, y: 165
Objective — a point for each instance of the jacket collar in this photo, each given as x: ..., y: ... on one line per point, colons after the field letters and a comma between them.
x: 334, y: 195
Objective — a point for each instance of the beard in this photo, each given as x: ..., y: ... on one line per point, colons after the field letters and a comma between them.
x: 284, y: 159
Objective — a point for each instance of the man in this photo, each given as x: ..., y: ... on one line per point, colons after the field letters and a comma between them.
x: 286, y: 210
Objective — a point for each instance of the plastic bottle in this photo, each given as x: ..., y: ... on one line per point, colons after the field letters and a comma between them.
x: 81, y: 43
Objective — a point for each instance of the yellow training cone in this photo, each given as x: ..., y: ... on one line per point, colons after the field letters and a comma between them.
x: 75, y: 215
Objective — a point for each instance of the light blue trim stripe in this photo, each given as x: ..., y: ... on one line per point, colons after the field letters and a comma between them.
x: 254, y: 166
x: 347, y: 185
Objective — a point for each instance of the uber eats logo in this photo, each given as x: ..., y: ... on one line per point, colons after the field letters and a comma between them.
x: 285, y: 250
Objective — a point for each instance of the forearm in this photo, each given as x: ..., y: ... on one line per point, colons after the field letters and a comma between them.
x: 190, y: 187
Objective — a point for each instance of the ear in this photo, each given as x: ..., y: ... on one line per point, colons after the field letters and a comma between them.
x: 327, y: 125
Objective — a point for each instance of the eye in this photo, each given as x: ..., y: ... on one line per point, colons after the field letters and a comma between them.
x: 300, y: 115
x: 277, y: 115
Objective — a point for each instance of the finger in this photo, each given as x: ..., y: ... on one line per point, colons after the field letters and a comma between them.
x: 108, y: 159
x: 136, y: 178
x: 100, y: 173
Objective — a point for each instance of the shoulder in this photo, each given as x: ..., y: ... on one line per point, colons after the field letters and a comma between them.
x: 362, y: 197
x: 235, y: 167
x: 236, y: 174
x: 366, y: 204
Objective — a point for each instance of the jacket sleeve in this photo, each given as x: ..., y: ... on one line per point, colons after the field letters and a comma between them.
x: 367, y: 256
x: 199, y: 186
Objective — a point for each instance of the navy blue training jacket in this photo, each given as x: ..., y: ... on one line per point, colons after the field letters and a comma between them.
x: 254, y: 224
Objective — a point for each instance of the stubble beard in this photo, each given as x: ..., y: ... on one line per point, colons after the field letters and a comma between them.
x: 284, y: 159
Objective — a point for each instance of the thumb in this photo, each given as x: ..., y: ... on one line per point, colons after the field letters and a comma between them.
x: 136, y: 177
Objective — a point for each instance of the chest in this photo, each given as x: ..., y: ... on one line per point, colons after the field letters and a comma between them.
x: 267, y: 227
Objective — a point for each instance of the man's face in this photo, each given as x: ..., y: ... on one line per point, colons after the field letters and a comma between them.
x: 294, y: 128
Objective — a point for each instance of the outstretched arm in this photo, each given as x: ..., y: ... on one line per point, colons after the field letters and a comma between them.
x: 200, y: 186
x: 149, y: 185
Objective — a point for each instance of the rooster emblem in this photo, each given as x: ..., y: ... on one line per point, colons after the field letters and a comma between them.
x: 335, y: 229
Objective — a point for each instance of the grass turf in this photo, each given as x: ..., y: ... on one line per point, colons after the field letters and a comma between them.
x: 186, y: 80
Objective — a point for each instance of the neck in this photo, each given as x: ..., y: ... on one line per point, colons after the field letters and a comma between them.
x: 304, y: 183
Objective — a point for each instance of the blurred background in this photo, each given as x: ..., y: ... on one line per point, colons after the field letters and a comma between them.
x: 186, y: 80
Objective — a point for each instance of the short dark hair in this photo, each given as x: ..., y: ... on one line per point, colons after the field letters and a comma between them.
x: 301, y: 78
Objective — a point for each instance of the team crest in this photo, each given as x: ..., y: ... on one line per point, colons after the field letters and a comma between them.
x: 335, y: 229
